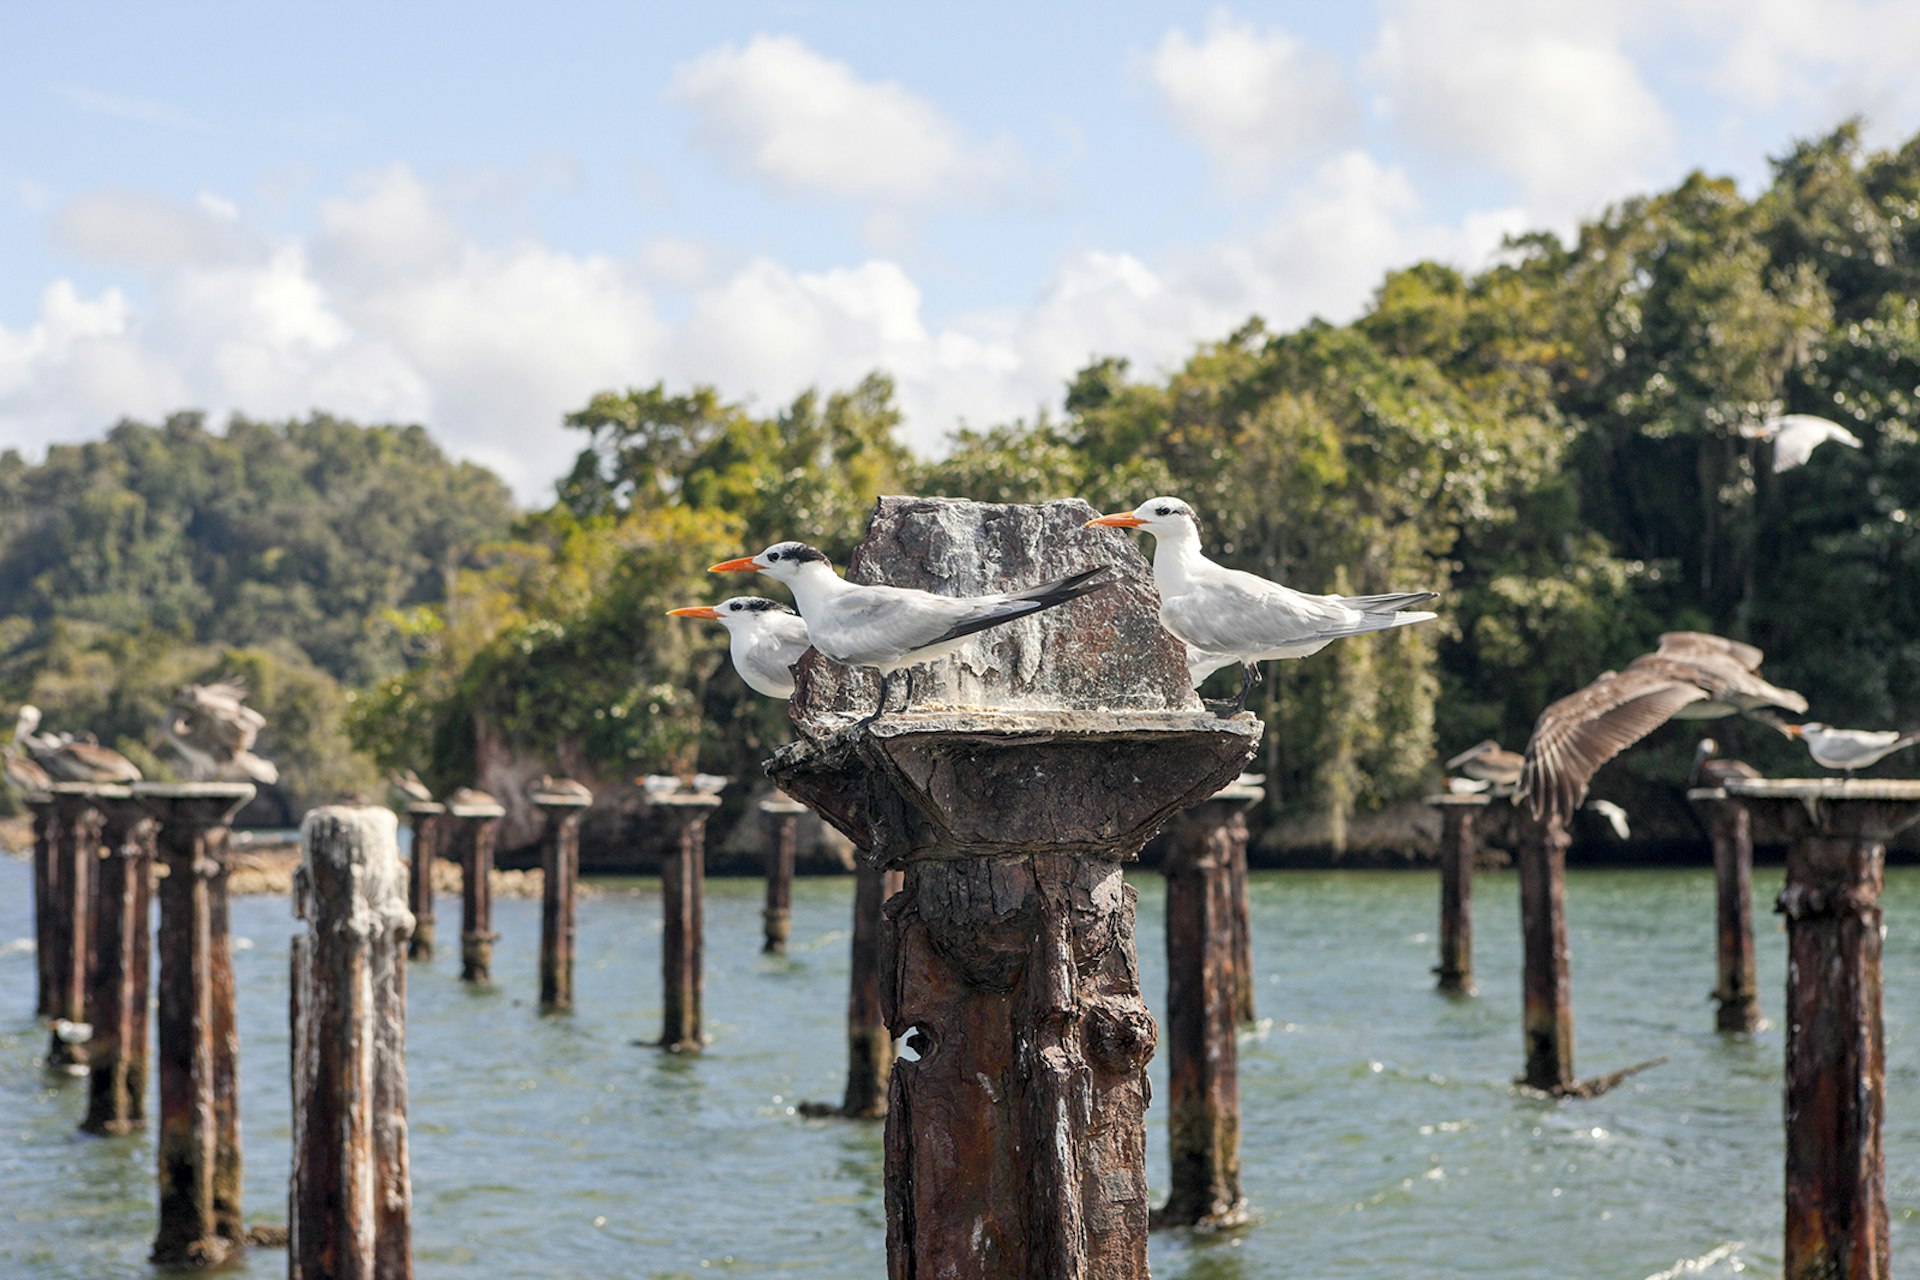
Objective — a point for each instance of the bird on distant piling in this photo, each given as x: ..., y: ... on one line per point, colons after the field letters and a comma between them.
x: 406, y: 787
x: 213, y: 730
x: 1796, y: 435
x: 1713, y: 770
x: 73, y: 758
x: 1691, y: 676
x: 16, y: 759
x: 567, y: 788
x: 1489, y: 762
x: 894, y: 629
x: 1849, y: 749
x: 471, y: 798
x: 1225, y: 612
x: 764, y: 639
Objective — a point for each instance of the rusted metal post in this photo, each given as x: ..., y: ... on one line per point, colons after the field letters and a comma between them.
x: 1243, y: 976
x: 1016, y: 1128
x: 198, y: 1147
x: 1458, y: 844
x: 870, y: 1050
x: 560, y: 869
x: 783, y: 816
x: 118, y: 986
x: 1546, y: 985
x: 429, y: 824
x: 1836, y: 1201
x: 683, y: 881
x: 476, y: 825
x: 352, y: 1195
x: 1730, y: 827
x: 1203, y: 1073
x: 75, y: 853
x: 40, y: 805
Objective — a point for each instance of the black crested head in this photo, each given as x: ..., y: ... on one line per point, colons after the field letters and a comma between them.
x: 755, y: 604
x: 1175, y: 507
x: 793, y: 553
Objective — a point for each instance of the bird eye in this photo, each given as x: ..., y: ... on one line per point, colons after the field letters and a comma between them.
x: 772, y: 556
x: 1163, y: 511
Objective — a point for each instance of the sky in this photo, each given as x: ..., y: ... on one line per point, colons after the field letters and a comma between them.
x: 477, y: 215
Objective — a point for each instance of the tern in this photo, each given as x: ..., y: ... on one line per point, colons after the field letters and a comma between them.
x: 764, y: 639
x: 1796, y: 435
x: 1226, y: 613
x: 1849, y: 749
x: 1713, y: 770
x: 1691, y: 676
x: 1488, y: 762
x: 896, y: 628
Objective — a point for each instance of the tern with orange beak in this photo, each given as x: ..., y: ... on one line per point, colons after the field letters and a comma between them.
x: 764, y: 639
x: 1848, y: 749
x: 1224, y: 612
x: 895, y: 628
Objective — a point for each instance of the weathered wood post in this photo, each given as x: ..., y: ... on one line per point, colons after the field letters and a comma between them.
x: 1203, y: 1073
x: 428, y: 821
x: 75, y: 852
x: 118, y: 986
x: 1459, y: 842
x: 870, y: 1049
x: 352, y: 1196
x: 560, y: 870
x: 1836, y: 1201
x: 1730, y: 827
x: 683, y: 882
x: 198, y: 1147
x: 1546, y: 985
x: 40, y: 804
x: 475, y: 817
x: 1051, y: 750
x: 783, y: 817
x: 1243, y: 974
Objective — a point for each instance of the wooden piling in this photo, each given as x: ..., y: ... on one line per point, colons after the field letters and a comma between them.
x: 870, y: 1050
x: 75, y: 853
x: 683, y: 880
x: 1730, y: 827
x: 1203, y: 1075
x: 476, y: 826
x: 783, y: 819
x: 118, y: 987
x: 1836, y: 1194
x: 198, y: 1145
x: 1458, y: 844
x: 1546, y: 985
x: 560, y: 868
x: 351, y: 1197
x: 428, y: 821
x: 40, y: 805
x: 1243, y: 973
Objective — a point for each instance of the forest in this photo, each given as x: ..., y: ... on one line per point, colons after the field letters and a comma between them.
x: 1564, y: 444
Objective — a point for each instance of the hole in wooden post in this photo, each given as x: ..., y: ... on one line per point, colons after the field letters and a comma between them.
x: 917, y: 1044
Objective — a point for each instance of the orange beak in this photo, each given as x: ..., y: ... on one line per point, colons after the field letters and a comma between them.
x: 744, y: 564
x: 1791, y: 730
x: 1119, y: 520
x: 697, y: 611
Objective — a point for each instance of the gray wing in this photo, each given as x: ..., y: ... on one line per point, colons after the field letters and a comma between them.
x: 879, y: 624
x: 1236, y: 612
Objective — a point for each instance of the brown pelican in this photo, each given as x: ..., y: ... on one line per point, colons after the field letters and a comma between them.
x: 565, y: 788
x: 1711, y: 769
x: 407, y: 788
x: 75, y: 759
x: 1849, y: 749
x: 213, y: 730
x: 1487, y: 761
x: 1691, y: 676
x: 15, y: 759
x: 471, y: 798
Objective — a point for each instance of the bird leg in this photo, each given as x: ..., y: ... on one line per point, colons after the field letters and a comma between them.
x: 1249, y: 677
x: 908, y: 700
x: 879, y: 707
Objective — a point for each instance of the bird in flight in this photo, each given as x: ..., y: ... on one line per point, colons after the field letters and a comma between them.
x: 1225, y: 613
x: 764, y: 639
x: 894, y: 629
x: 213, y: 730
x: 1796, y: 435
x: 1849, y: 749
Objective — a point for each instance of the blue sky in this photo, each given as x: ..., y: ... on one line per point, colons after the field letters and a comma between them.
x: 477, y: 215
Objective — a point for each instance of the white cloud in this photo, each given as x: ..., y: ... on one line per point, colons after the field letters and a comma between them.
x: 1257, y: 101
x: 806, y: 124
x: 145, y: 230
x: 1543, y: 92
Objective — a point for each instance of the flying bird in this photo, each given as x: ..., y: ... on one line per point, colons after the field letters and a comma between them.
x: 1488, y: 762
x: 764, y: 639
x: 1613, y: 815
x: 213, y: 730
x: 1849, y: 749
x: 1713, y: 770
x: 1691, y: 676
x: 1796, y: 435
x: 894, y: 629
x: 1247, y: 619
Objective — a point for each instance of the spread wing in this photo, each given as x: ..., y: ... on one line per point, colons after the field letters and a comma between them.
x: 1690, y: 645
x: 1582, y: 731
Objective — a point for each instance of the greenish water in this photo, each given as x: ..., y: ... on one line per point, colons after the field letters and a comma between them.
x: 1381, y: 1136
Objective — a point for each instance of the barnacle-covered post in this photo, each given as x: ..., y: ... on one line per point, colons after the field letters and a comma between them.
x: 475, y: 816
x: 352, y: 1197
x: 1039, y: 760
x: 75, y: 851
x: 1730, y: 827
x: 1458, y: 844
x: 118, y: 986
x: 198, y: 1146
x: 1203, y: 1074
x: 1837, y: 832
x: 683, y: 882
x: 429, y: 823
x: 561, y: 807
x: 783, y: 817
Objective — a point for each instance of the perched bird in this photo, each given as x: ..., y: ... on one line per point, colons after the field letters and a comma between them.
x: 708, y: 784
x: 471, y: 798
x: 1710, y: 769
x: 1222, y: 611
x: 548, y: 785
x: 406, y: 788
x: 1796, y: 435
x: 895, y: 628
x: 1691, y: 676
x: 658, y: 786
x: 1467, y: 786
x: 1849, y: 749
x: 70, y: 758
x: 1488, y: 762
x: 213, y: 730
x: 764, y: 639
x: 16, y: 759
